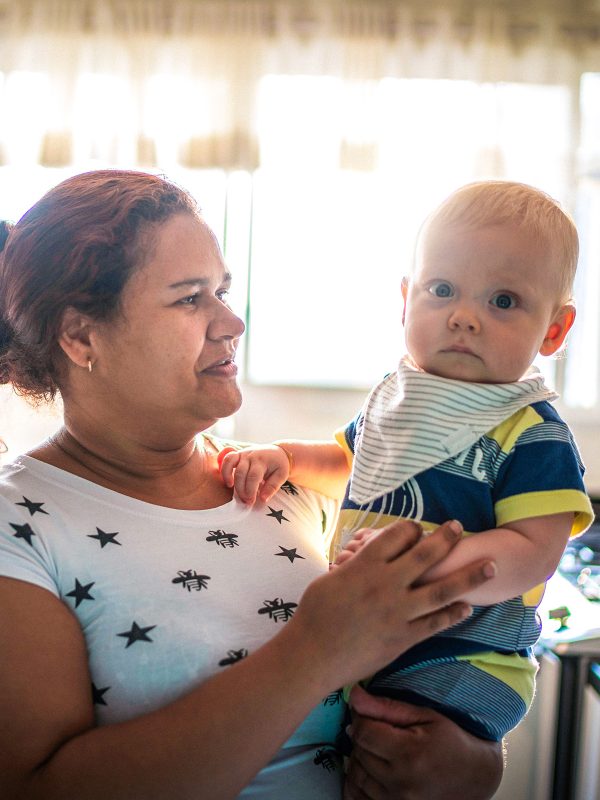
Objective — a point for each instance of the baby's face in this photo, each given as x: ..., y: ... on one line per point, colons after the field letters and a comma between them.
x: 480, y: 303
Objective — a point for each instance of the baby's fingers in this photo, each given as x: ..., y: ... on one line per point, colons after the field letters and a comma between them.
x: 272, y: 484
x: 228, y: 461
x: 248, y: 477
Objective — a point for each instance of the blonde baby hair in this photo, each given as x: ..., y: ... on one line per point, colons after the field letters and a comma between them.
x: 498, y: 202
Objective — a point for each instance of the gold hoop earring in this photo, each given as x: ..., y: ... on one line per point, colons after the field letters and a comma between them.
x: 89, y: 364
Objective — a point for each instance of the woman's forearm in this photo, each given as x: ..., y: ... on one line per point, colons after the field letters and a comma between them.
x: 212, y: 741
x: 209, y: 743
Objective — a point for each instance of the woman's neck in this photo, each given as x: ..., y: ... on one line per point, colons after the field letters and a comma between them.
x: 185, y: 477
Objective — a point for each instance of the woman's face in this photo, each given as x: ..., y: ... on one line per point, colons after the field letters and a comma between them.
x: 167, y: 364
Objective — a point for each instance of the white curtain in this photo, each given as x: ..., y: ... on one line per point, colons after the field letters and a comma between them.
x: 175, y: 82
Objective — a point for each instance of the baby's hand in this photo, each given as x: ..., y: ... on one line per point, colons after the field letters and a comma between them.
x: 255, y: 471
x: 352, y: 547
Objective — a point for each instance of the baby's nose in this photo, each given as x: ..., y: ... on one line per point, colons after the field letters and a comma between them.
x: 464, y: 318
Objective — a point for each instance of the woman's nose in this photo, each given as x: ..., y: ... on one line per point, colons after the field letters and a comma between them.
x: 226, y: 324
x: 464, y: 318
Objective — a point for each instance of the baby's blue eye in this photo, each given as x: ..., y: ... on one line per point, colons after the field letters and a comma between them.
x: 503, y: 301
x: 441, y: 289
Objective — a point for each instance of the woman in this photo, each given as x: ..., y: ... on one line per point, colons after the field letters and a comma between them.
x: 212, y: 635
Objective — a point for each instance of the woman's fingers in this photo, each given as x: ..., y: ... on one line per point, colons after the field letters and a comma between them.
x: 430, y: 550
x: 390, y: 542
x: 434, y: 605
x: 390, y: 611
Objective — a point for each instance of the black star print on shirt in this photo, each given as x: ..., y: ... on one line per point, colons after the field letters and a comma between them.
x: 81, y: 593
x: 104, y: 538
x: 98, y: 695
x: 137, y: 634
x: 291, y: 554
x: 277, y: 514
x: 31, y: 506
x: 23, y: 532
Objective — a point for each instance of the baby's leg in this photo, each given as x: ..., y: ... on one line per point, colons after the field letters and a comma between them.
x: 487, y: 693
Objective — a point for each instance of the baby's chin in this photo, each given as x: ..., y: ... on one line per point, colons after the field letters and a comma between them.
x: 460, y: 367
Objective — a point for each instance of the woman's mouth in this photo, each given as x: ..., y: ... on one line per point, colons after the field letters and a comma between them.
x: 226, y: 368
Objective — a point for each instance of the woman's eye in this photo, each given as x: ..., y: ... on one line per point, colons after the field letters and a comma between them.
x: 190, y: 300
x: 503, y: 300
x: 441, y: 289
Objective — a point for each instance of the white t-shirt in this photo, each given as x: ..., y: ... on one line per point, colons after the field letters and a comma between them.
x: 165, y: 598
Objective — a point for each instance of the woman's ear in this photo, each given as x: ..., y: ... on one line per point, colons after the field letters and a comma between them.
x: 558, y: 329
x: 74, y: 337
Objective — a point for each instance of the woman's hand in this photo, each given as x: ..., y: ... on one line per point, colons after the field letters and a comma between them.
x: 363, y: 614
x: 408, y: 752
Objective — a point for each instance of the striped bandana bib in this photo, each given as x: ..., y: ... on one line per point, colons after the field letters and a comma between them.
x: 413, y: 421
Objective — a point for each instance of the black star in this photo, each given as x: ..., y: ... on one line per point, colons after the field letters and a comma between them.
x: 80, y: 592
x: 104, y: 538
x: 97, y: 695
x: 291, y: 554
x: 23, y: 531
x: 277, y: 514
x: 31, y: 506
x: 137, y: 634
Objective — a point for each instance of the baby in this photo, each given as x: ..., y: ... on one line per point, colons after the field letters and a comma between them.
x: 464, y: 430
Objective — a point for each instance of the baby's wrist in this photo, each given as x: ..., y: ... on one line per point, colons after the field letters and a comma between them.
x: 289, y: 456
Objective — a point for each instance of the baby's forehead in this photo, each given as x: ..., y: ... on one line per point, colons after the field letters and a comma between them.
x: 499, y: 254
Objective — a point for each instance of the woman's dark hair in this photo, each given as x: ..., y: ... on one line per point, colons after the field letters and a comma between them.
x: 76, y: 247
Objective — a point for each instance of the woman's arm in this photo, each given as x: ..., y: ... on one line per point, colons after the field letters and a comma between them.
x: 412, y: 752
x: 51, y: 750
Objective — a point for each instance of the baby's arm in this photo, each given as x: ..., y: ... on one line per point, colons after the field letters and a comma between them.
x: 526, y: 554
x: 260, y: 471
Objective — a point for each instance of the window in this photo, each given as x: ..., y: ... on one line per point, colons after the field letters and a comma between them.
x: 348, y: 173
x: 319, y: 237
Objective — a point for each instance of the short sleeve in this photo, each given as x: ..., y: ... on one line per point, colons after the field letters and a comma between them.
x: 543, y: 474
x: 23, y: 555
x: 347, y: 436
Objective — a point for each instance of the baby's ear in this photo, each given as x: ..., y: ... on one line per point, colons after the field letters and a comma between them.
x: 404, y: 290
x: 558, y: 329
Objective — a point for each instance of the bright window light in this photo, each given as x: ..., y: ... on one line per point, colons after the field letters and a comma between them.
x: 330, y: 245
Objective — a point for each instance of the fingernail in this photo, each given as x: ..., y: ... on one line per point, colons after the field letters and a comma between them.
x: 455, y: 527
x: 490, y: 569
